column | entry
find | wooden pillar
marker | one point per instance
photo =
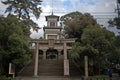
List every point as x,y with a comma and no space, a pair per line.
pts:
36,61
86,67
66,61
44,54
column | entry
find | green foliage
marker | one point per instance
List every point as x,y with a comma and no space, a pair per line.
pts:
98,38
8,26
14,47
115,58
104,77
116,20
77,55
19,50
81,51
28,24
117,41
15,30
6,78
96,43
75,22
23,8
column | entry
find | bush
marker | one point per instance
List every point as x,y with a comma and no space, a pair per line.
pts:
6,78
98,77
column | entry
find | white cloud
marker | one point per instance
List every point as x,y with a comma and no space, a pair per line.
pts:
76,5
106,6
41,21
46,10
62,0
2,8
98,6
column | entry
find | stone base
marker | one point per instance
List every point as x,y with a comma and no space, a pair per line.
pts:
35,76
67,76
66,67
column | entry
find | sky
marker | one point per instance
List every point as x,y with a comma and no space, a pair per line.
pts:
98,8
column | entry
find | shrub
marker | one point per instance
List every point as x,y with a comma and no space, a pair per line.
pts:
6,78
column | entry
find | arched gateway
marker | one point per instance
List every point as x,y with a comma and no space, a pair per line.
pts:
52,46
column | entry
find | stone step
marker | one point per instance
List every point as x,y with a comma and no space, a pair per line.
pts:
51,74
45,68
50,67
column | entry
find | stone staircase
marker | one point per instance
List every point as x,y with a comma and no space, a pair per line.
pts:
50,68
47,67
28,70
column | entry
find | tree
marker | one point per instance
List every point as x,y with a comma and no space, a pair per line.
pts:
117,41
115,58
97,43
100,39
118,8
75,22
116,20
15,30
14,47
77,56
23,8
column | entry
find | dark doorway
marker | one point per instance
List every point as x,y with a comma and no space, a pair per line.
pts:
40,54
52,54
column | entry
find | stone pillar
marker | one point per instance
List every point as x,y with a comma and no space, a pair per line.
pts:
66,61
33,50
59,54
65,51
36,61
44,54
86,67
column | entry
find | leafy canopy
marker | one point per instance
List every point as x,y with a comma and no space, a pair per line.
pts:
14,46
93,41
23,8
75,22
98,38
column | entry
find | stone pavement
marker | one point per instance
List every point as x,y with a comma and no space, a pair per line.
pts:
115,76
47,78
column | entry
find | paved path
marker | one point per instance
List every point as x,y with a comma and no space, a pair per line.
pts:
115,76
46,78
